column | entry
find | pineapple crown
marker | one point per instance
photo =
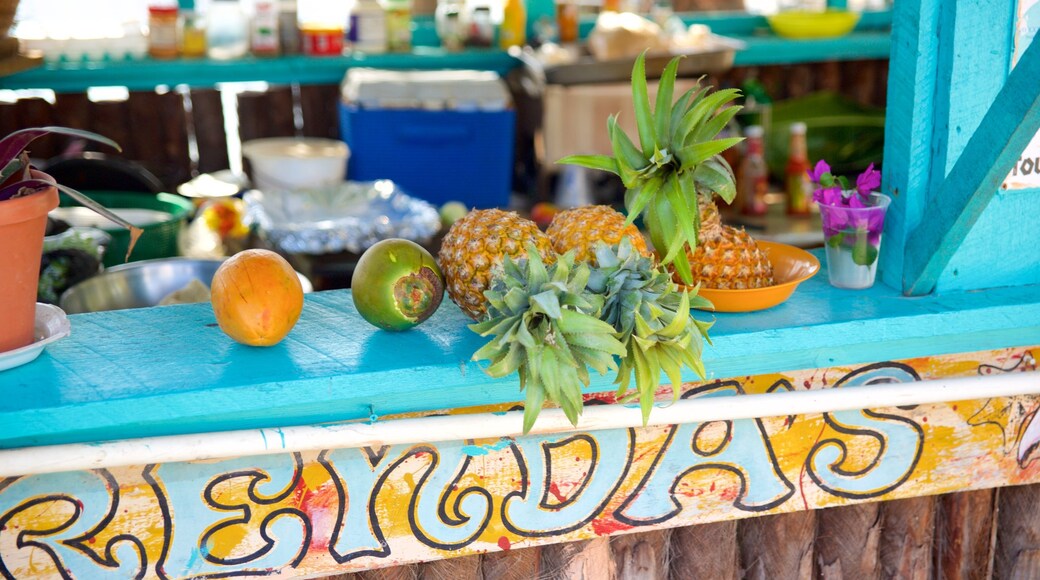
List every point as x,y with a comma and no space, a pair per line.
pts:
651,319
544,325
677,160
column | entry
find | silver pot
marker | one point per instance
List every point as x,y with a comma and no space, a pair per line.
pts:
141,284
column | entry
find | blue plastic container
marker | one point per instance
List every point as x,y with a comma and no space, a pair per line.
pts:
438,156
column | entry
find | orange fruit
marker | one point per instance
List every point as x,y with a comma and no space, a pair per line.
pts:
256,297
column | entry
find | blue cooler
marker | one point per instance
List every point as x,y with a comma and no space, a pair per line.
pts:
441,135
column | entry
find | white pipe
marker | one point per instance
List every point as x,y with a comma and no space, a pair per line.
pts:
174,448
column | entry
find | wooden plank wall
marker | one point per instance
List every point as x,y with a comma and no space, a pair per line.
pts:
971,535
179,134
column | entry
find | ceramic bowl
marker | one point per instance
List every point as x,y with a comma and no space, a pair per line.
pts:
791,267
294,164
805,24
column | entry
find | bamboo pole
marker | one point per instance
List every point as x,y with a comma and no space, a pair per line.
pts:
963,535
521,564
464,568
585,560
907,537
641,556
1017,553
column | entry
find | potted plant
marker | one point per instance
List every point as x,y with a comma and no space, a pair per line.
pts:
26,196
853,219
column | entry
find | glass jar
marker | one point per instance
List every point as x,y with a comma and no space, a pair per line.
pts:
162,31
227,36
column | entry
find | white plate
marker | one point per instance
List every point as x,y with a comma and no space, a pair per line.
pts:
51,325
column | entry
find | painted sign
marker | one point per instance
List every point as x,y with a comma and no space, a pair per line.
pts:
1026,172
342,510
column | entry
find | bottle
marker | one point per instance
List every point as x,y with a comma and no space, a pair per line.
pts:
514,25
162,30
288,27
263,37
227,33
798,186
368,27
191,31
754,179
398,25
450,28
567,20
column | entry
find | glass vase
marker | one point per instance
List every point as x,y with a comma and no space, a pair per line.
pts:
852,238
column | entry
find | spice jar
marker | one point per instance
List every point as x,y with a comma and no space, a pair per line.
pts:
162,31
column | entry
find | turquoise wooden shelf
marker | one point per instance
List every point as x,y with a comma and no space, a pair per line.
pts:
159,371
871,40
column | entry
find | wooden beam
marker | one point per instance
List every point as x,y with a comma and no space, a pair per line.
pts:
955,205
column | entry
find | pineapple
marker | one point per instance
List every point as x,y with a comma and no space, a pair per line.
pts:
730,261
652,320
579,229
474,247
676,165
544,325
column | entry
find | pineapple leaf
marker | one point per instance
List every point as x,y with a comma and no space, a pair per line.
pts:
663,106
713,127
686,216
678,324
506,363
641,199
547,303
683,267
641,102
691,155
705,107
629,160
532,406
600,162
679,109
716,176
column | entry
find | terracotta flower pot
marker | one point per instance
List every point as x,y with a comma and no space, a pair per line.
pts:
23,222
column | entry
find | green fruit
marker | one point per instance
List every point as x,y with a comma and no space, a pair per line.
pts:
396,285
452,212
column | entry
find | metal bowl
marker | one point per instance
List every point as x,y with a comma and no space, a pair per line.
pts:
141,284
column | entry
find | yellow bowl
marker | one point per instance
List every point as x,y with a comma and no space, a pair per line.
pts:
791,267
803,24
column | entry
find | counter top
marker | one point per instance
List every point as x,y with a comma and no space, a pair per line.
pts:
171,370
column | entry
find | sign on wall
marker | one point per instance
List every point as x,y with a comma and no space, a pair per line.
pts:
1026,172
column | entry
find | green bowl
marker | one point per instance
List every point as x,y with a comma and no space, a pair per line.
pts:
161,216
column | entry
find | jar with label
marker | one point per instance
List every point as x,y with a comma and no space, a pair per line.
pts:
192,34
263,38
162,30
450,27
398,25
227,33
368,27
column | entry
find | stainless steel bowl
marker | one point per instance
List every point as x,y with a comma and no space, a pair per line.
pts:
141,284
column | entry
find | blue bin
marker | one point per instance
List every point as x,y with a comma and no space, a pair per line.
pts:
438,156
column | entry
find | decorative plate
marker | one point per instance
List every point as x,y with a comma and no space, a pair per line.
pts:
51,324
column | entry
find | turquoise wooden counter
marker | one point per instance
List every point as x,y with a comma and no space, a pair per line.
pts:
171,370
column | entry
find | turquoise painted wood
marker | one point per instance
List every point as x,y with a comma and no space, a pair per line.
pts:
959,200
170,370
908,128
949,147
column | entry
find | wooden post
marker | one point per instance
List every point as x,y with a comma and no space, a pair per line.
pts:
641,556
207,114
907,532
964,535
762,557
847,542
464,568
1018,533
585,560
518,564
705,551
